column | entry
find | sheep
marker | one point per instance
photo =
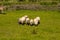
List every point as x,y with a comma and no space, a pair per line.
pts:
31,22
22,19
35,22
38,18
27,21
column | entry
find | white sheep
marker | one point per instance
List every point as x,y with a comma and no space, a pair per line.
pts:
31,22
27,21
38,18
22,19
36,21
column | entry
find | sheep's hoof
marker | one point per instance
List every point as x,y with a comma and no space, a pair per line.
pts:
19,22
27,23
23,23
36,25
38,22
32,25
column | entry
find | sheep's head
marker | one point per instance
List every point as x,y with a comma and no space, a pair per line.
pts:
26,16
38,18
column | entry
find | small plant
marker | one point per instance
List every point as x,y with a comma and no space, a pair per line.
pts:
34,32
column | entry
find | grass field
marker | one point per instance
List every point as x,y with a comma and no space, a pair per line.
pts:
49,29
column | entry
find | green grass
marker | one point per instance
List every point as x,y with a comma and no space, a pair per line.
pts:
49,29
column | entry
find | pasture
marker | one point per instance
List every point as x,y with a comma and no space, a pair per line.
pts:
49,29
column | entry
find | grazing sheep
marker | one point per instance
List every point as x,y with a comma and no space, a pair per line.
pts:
36,21
27,21
22,19
38,18
31,22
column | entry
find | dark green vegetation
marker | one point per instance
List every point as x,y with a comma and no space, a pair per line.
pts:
49,29
42,2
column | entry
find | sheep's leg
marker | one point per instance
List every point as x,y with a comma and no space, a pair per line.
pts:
19,22
38,22
23,23
28,23
31,24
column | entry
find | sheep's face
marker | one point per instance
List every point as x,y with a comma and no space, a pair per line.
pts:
31,21
38,18
26,16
